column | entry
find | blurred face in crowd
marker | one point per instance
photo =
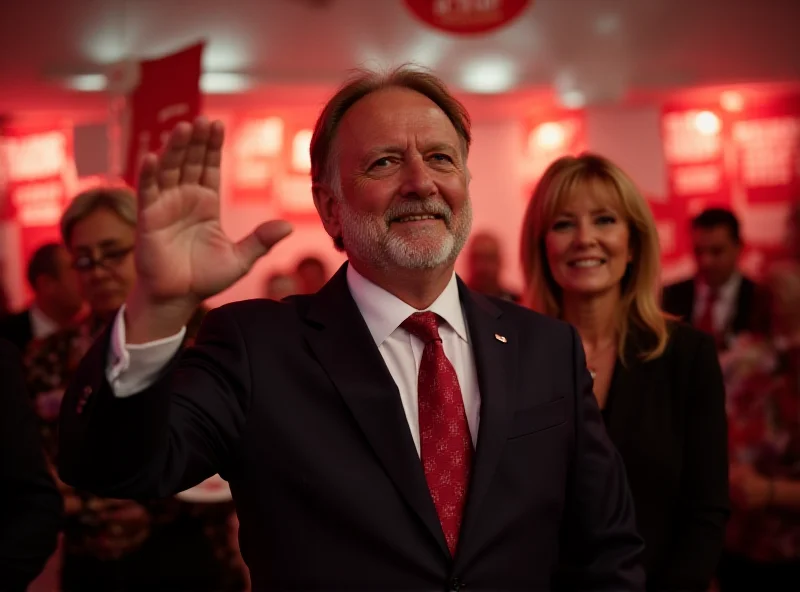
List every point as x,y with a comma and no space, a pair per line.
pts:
310,277
404,200
716,253
588,243
101,245
60,292
280,285
484,262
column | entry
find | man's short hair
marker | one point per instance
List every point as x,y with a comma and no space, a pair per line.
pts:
716,217
44,261
324,165
120,200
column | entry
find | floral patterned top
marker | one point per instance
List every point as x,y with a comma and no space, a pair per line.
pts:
111,529
763,405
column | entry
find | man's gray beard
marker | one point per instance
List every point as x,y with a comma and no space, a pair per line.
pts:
367,238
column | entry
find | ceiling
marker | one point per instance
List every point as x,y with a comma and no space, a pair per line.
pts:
598,50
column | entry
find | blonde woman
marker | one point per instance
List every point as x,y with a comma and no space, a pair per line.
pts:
590,256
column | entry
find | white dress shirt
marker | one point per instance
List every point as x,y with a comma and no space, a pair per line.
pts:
41,325
725,306
132,368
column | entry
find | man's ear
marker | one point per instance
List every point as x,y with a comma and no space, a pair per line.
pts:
328,209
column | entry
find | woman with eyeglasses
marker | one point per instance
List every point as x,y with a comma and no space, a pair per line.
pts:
590,255
120,544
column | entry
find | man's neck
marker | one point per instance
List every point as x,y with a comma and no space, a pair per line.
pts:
418,288
594,317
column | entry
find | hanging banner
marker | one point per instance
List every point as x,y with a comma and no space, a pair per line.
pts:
467,16
744,160
168,92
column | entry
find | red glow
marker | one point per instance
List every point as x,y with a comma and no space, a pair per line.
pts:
260,138
301,158
731,101
707,123
550,135
35,156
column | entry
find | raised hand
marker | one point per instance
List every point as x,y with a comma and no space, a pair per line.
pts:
182,254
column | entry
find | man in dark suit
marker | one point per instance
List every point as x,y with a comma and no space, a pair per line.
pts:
719,299
57,297
393,431
30,504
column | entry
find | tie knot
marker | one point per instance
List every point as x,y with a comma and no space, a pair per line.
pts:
424,325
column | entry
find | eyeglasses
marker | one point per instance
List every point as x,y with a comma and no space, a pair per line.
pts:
107,259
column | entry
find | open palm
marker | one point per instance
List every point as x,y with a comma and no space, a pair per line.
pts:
181,250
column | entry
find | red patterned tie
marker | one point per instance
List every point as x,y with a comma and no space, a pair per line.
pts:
445,443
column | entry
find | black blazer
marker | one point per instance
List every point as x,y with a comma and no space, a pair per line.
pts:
17,329
667,419
30,504
293,404
678,300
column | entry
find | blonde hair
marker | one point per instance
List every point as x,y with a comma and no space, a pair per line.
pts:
640,285
120,200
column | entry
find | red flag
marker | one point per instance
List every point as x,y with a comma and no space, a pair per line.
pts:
168,92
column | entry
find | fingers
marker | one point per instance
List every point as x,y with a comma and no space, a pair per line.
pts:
147,187
171,161
213,157
261,240
195,155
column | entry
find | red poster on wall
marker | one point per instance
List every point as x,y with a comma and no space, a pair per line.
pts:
746,160
467,16
168,93
37,169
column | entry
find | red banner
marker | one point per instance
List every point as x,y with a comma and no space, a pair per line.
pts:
467,16
168,92
746,160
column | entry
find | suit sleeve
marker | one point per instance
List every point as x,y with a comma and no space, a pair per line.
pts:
704,498
601,548
170,436
30,504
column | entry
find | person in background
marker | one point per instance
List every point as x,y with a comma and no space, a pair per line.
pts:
108,543
280,285
485,262
762,548
719,299
30,504
311,275
57,299
590,256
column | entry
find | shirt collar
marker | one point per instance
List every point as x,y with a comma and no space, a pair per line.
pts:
384,312
41,324
727,291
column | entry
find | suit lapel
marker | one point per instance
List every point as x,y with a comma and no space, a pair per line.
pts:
342,342
495,347
629,387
